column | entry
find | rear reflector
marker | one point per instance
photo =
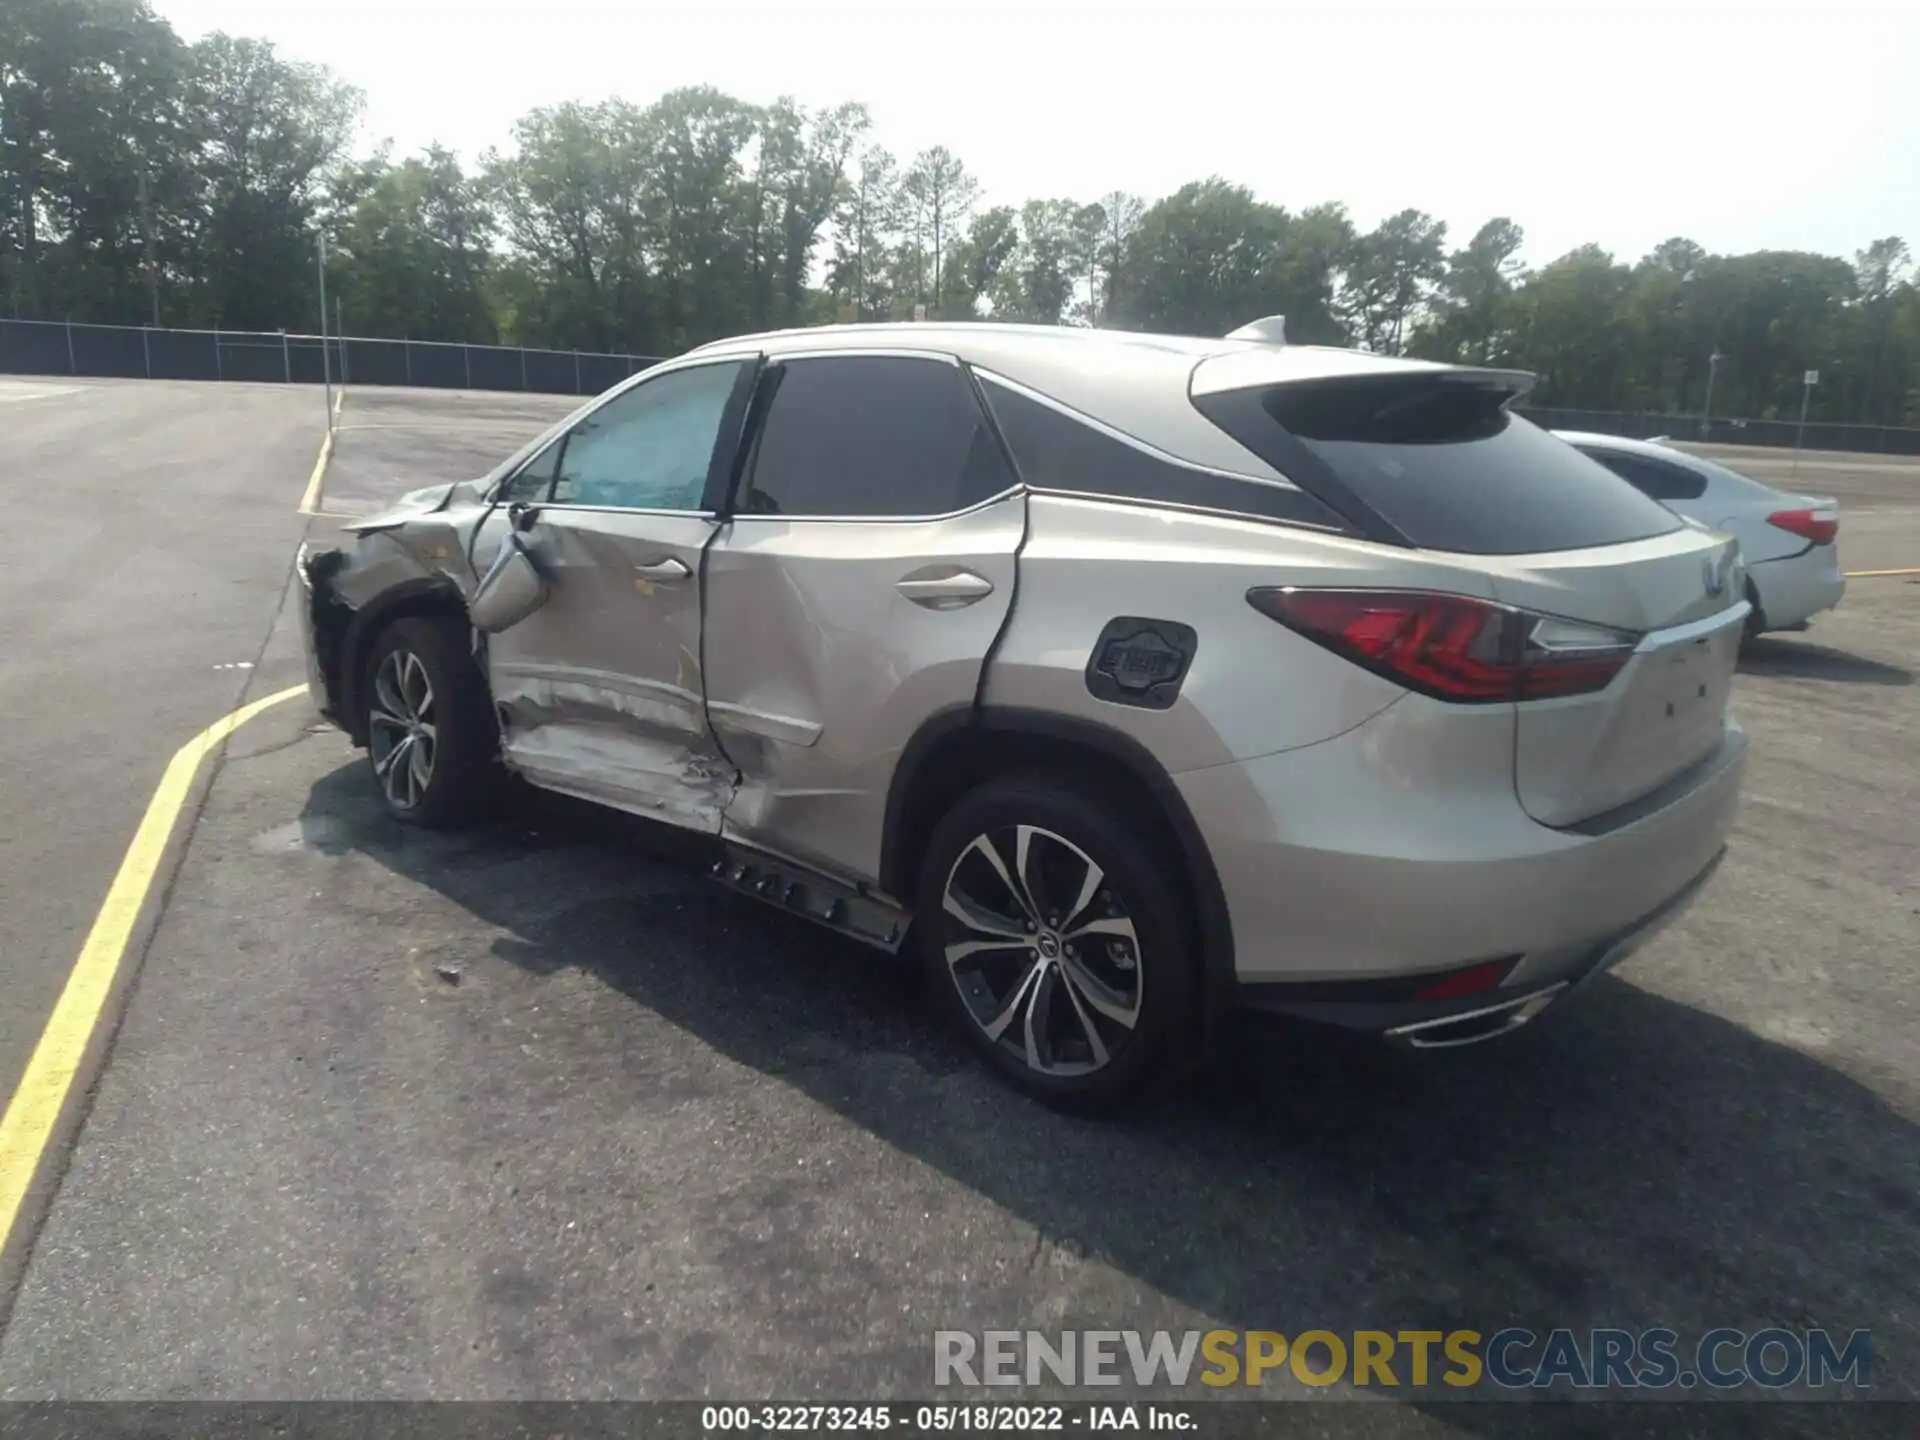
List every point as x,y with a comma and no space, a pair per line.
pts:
1474,980
1453,647
1819,526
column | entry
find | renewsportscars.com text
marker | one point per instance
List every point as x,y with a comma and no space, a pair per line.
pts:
1513,1358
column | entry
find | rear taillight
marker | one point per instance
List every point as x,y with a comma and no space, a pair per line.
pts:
1453,647
1818,525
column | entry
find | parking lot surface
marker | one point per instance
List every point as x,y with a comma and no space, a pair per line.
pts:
534,1112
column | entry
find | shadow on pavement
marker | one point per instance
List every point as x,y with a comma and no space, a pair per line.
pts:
1630,1162
1799,660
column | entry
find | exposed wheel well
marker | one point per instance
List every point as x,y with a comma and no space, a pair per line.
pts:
423,598
963,749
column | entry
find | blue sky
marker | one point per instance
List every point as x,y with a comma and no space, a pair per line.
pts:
1742,126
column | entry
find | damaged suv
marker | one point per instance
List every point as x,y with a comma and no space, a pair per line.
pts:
1115,678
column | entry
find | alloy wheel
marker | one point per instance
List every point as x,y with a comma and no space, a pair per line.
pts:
401,735
1042,950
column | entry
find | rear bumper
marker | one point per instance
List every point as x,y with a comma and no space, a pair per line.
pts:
320,628
1795,588
1444,1024
1384,854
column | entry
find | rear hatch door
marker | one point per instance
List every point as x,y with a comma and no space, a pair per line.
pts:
1582,755
1430,457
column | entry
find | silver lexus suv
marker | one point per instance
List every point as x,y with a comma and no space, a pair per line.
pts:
1115,679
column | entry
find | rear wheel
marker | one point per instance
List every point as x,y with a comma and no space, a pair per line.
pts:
1756,618
431,737
1051,934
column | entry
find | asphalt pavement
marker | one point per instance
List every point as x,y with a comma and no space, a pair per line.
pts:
534,1112
146,546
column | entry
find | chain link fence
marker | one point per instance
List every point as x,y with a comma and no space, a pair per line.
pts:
1820,435
52,347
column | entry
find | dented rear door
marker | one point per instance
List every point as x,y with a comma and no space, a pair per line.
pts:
855,592
600,691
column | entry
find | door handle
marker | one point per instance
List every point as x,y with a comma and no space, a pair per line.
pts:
665,571
948,591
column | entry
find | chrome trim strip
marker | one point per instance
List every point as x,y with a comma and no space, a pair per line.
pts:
1734,614
784,728
1518,1012
1011,492
1143,502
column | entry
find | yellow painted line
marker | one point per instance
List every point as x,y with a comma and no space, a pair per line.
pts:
1875,574
310,501
35,1108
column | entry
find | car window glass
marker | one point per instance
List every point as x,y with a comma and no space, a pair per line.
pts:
1057,452
1654,478
534,479
1446,464
650,448
873,435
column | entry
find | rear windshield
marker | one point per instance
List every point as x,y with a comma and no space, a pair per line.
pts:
1445,463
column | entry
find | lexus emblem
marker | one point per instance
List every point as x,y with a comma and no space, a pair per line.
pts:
1714,572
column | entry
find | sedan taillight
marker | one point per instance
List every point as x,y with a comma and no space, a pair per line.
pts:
1818,525
1453,647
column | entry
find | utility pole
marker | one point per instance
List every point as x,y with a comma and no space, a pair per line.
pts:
326,359
1706,411
146,229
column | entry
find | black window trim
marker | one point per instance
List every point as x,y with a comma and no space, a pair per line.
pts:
719,465
768,387
1284,451
1278,485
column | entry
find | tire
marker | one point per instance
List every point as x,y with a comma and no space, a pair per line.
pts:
1105,1021
432,742
1756,624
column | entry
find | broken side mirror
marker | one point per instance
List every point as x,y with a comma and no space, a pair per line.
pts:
511,590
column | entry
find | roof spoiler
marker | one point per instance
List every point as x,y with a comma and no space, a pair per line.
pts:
1268,330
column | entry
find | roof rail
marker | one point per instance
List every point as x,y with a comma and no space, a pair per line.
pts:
1268,330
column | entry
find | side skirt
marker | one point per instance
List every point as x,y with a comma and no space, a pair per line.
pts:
820,898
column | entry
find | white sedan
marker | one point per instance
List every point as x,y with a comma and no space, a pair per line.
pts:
1786,540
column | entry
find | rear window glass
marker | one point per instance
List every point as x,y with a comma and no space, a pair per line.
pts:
1449,467
1654,478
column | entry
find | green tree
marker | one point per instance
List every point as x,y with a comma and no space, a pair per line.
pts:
937,194
265,132
1472,317
1120,215
1393,272
1199,260
864,225
414,251
94,170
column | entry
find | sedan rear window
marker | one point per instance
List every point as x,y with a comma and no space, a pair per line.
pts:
1441,460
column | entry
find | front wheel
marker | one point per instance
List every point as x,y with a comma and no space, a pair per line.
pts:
431,736
1050,930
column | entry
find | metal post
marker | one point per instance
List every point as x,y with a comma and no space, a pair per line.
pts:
340,333
576,372
326,359
286,358
1706,411
406,354
523,367
1807,382
219,366
466,360
146,350
72,369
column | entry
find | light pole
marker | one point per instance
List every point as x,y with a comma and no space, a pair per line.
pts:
1706,410
326,360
